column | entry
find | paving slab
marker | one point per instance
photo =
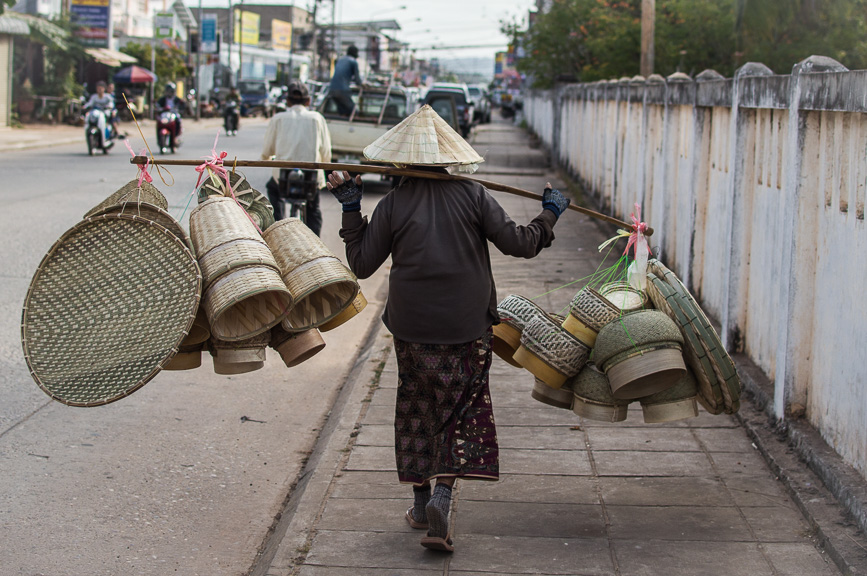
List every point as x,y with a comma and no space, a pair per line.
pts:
523,555
541,437
632,463
531,519
777,524
372,485
381,550
701,523
364,514
799,560
758,491
385,396
644,439
335,571
536,462
533,488
379,458
664,491
542,416
724,440
732,464
375,435
642,557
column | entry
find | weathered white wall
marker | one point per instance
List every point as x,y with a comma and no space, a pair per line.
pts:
756,187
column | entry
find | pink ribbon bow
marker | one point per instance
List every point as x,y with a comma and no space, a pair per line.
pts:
143,174
214,163
638,230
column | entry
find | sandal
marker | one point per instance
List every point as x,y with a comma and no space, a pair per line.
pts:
437,543
413,522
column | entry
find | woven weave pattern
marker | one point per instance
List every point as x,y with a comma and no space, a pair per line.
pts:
254,202
107,307
248,350
517,311
147,212
320,284
592,309
634,332
130,192
554,346
246,302
591,384
234,254
624,296
217,221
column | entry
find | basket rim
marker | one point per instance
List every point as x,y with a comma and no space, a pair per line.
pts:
76,229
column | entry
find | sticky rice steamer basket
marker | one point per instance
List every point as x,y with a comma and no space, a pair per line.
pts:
593,399
623,296
588,313
641,353
296,347
239,357
552,354
321,285
556,397
244,295
515,313
350,312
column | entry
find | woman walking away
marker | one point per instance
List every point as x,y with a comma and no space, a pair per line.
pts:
441,305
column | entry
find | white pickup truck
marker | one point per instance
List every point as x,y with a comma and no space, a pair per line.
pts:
372,118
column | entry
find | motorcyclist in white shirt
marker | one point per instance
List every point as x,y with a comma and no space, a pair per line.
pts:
102,101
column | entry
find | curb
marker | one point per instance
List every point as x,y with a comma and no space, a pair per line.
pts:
828,492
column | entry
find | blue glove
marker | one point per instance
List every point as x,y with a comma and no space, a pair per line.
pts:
554,201
347,190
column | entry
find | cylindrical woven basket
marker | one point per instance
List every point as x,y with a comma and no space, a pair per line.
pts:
238,357
321,285
556,397
641,354
515,313
130,192
588,313
107,308
187,358
296,347
593,399
676,403
624,296
251,200
246,302
350,312
549,352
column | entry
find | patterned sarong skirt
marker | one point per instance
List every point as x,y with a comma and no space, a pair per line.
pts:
444,421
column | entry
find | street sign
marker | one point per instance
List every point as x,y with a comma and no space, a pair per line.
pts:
208,38
164,25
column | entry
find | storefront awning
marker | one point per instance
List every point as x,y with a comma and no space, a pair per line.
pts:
13,26
110,57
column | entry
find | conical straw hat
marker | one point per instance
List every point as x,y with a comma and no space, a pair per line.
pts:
422,139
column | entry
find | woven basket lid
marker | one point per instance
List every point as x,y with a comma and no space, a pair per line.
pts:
254,202
148,212
634,331
422,139
107,308
131,192
697,323
623,296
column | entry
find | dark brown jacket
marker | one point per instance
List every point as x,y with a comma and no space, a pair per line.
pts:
441,289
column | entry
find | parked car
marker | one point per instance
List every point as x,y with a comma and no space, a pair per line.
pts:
481,102
256,98
463,102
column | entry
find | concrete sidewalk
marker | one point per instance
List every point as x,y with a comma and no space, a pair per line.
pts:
575,496
37,136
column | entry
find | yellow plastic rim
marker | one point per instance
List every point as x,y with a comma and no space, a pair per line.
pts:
539,368
580,330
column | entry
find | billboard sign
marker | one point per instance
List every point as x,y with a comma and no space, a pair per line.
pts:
164,25
208,37
281,35
92,19
246,28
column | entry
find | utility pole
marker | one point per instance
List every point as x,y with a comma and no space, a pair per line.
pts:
241,42
648,17
199,66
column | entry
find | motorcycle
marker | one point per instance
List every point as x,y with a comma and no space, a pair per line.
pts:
168,130
98,131
231,118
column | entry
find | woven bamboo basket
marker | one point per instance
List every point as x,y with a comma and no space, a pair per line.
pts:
296,347
623,296
350,312
641,354
147,212
723,367
515,313
246,302
187,358
321,285
676,403
593,399
557,397
238,357
251,200
130,192
550,353
589,311
107,308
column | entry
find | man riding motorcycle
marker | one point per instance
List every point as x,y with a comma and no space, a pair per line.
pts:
105,102
169,127
232,112
170,101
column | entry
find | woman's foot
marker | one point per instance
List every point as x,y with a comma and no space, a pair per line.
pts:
437,512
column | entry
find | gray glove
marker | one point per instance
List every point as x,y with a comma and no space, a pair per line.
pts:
347,190
554,201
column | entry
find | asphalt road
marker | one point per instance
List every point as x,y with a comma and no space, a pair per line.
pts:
170,479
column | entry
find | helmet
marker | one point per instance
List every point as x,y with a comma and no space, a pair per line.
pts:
170,87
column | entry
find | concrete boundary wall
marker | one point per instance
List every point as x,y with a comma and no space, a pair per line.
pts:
756,187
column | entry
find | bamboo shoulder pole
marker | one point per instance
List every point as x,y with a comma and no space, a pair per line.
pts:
388,171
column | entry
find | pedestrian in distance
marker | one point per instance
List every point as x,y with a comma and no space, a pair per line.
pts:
345,72
441,305
300,135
